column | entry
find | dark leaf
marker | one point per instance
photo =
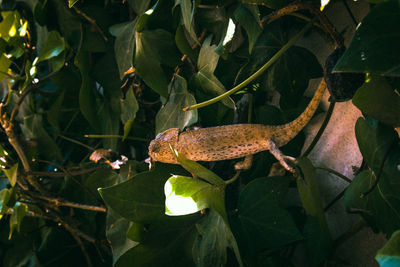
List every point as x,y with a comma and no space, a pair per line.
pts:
12,174
248,17
129,107
139,6
374,47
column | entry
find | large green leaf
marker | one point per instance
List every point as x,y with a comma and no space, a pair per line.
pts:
214,237
389,255
248,17
20,210
172,114
374,47
152,49
124,45
264,222
186,195
164,244
141,199
376,98
378,146
208,58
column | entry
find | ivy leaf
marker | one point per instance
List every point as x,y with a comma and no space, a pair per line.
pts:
374,47
151,47
389,255
186,195
248,17
20,210
263,220
12,174
124,45
187,11
376,98
309,192
141,198
117,227
129,107
172,115
4,65
53,46
214,237
208,58
164,244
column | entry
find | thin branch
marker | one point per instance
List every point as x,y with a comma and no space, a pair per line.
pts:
321,129
233,179
76,142
62,174
116,136
78,240
63,203
334,172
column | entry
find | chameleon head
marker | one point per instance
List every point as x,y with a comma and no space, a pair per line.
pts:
160,147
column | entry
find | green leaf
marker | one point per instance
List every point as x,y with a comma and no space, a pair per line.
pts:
208,58
101,178
389,255
248,17
53,46
183,45
374,47
12,174
186,195
265,223
214,237
53,114
376,98
117,227
172,115
378,145
164,244
187,14
141,199
309,192
129,107
318,242
5,196
4,65
124,45
150,46
139,6
20,210
71,3
87,97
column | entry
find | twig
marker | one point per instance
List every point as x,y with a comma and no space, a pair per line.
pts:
334,172
321,129
76,142
78,240
63,203
62,174
233,179
116,136
91,21
350,13
272,60
333,201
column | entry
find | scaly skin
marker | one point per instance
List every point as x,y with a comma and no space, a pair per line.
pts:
230,141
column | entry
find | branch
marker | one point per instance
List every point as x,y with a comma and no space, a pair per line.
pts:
63,203
91,21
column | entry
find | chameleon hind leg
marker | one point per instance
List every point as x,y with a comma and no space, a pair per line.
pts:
284,160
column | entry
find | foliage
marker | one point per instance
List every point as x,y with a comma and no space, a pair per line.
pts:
86,79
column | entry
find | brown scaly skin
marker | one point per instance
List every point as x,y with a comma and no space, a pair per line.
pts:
232,141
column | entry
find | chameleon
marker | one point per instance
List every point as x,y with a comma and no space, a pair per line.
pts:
233,141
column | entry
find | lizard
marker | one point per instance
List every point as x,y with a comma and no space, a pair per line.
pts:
233,141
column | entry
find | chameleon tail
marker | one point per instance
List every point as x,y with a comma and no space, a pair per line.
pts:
289,130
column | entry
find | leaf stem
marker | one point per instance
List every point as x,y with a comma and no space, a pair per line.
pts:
233,179
116,136
257,73
338,174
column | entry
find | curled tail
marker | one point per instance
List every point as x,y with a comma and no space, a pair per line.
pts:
289,130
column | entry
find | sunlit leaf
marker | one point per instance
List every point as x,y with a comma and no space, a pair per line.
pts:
374,47
4,65
20,210
129,107
172,114
71,3
12,174
139,6
389,255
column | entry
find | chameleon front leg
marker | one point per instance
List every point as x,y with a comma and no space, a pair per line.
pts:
283,159
245,164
